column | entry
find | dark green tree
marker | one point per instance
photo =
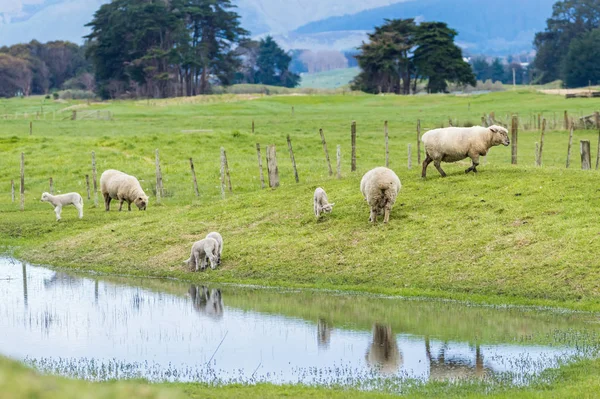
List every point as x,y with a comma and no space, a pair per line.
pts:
272,65
481,69
581,65
497,72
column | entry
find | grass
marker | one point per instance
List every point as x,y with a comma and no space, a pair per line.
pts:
329,79
509,235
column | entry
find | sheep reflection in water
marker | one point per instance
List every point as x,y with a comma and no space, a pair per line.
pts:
209,303
383,354
323,333
456,368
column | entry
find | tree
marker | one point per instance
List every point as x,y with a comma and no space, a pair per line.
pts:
15,76
272,65
497,73
481,69
581,64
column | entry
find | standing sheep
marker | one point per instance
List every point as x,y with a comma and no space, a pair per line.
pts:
380,187
122,187
219,239
453,144
321,204
58,201
201,250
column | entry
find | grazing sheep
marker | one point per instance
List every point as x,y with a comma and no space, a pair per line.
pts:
58,201
453,144
320,202
380,187
122,187
219,239
202,250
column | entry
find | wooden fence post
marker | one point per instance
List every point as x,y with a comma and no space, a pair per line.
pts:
51,186
30,128
419,140
324,143
570,144
74,116
339,161
159,189
87,185
409,156
539,121
539,158
94,179
252,125
566,120
260,166
514,138
227,175
272,170
12,190
194,178
387,148
537,153
222,172
293,159
586,163
22,189
353,137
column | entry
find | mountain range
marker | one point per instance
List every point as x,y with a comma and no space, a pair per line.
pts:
484,26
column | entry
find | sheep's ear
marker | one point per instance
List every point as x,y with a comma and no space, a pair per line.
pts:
495,129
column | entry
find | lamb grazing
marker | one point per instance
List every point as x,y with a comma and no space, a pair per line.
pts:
380,187
321,204
122,187
202,250
219,239
58,201
452,144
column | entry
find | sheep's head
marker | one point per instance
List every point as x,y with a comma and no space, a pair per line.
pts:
499,135
45,197
327,208
141,202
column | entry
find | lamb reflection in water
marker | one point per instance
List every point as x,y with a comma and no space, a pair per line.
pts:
442,368
323,333
383,354
209,303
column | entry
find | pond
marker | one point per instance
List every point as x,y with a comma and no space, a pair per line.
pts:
102,328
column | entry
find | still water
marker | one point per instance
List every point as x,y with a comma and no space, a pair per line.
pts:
103,328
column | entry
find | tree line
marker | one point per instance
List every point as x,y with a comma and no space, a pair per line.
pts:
497,71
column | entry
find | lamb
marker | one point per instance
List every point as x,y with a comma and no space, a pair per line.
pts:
321,204
206,248
58,201
380,187
120,186
453,144
219,239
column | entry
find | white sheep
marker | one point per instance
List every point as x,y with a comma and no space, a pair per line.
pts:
321,204
58,201
202,250
380,187
219,239
452,144
122,187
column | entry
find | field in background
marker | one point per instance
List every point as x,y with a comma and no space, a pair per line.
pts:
330,79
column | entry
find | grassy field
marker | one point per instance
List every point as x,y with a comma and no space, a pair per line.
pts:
510,234
329,79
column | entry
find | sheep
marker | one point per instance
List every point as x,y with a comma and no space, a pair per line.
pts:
219,239
58,201
380,187
206,248
120,186
321,204
453,144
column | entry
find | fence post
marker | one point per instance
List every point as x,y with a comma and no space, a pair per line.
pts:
222,172
87,185
260,166
515,132
30,128
539,158
22,189
12,190
252,125
537,153
419,140
353,137
566,120
74,116
387,148
51,186
289,141
272,170
94,179
409,156
326,152
339,161
159,190
586,163
227,175
570,144
194,177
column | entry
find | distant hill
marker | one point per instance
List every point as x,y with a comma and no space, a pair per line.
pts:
484,26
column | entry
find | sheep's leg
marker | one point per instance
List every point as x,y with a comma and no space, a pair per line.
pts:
212,259
79,210
473,167
373,217
426,163
57,211
121,204
129,206
197,260
107,200
316,209
386,217
438,166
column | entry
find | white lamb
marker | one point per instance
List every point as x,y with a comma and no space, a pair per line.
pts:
202,250
219,239
452,144
122,187
380,187
321,204
58,201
